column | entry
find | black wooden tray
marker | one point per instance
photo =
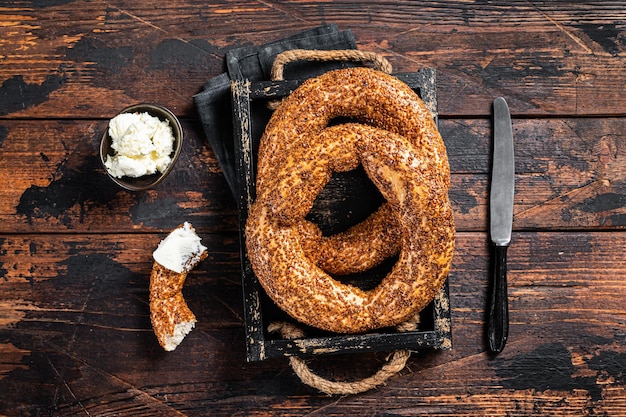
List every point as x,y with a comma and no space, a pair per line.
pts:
350,197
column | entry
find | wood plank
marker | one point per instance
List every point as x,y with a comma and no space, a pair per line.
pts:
75,252
61,184
563,58
77,337
571,174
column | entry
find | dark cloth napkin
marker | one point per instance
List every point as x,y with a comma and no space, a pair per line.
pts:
254,63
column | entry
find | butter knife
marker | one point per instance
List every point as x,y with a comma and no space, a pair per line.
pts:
500,223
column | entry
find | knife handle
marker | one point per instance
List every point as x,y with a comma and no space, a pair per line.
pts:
498,320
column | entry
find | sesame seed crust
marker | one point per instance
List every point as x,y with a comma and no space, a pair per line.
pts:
396,141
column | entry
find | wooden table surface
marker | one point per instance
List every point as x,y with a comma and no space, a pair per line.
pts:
75,250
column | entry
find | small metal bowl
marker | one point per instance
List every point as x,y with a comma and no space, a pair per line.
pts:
147,181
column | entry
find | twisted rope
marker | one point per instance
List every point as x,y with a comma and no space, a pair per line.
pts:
380,63
393,366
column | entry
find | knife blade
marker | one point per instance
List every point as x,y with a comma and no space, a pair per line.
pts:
501,195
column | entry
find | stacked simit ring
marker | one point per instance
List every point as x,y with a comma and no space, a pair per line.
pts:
397,143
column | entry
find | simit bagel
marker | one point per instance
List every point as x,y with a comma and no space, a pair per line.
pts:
402,152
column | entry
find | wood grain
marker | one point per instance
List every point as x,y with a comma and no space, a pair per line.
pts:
570,174
561,58
75,251
81,316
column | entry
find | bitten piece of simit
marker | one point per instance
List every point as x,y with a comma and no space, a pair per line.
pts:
175,256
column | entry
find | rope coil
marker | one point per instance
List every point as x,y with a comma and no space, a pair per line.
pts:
394,365
380,63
